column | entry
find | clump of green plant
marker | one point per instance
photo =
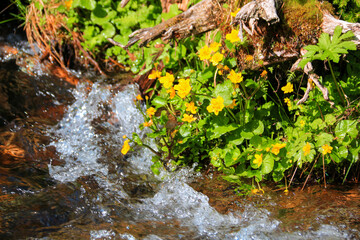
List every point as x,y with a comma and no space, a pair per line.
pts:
211,112
349,10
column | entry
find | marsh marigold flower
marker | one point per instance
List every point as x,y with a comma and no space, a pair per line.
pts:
307,149
216,105
150,112
183,88
68,4
235,77
233,36
288,88
249,58
263,74
233,14
233,104
214,47
288,102
154,74
258,160
216,58
276,148
126,147
138,97
326,149
205,53
188,118
302,123
171,92
148,124
167,80
190,107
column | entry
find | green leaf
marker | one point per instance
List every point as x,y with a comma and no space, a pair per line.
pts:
323,138
155,168
185,130
159,102
108,30
137,139
218,131
346,127
267,164
87,4
232,157
225,90
252,128
330,119
235,137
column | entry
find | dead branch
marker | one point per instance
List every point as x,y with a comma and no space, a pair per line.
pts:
202,17
330,22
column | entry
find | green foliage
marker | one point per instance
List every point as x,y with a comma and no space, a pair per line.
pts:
329,48
102,19
348,9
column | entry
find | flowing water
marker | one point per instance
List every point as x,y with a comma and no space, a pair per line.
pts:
62,176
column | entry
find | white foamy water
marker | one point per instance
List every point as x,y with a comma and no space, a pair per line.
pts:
77,141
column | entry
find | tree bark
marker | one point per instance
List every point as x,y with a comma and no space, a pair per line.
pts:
204,16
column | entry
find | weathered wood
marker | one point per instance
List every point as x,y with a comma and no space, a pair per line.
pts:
202,17
255,10
330,22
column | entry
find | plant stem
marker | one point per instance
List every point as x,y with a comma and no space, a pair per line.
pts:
342,95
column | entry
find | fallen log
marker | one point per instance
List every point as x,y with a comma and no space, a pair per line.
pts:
204,16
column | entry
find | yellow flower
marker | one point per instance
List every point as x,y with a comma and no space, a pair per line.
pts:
167,80
138,97
226,68
263,74
214,46
258,160
326,149
233,36
235,77
288,102
68,4
302,123
288,88
148,124
183,88
205,53
267,149
307,149
154,74
190,107
173,133
126,147
124,136
233,104
216,105
221,72
188,118
216,58
171,91
249,58
220,66
276,148
151,112
233,14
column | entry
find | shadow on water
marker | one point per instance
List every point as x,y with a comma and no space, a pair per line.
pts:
62,175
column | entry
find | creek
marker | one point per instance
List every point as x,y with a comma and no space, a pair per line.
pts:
62,175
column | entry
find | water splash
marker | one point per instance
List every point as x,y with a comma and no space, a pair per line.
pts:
77,141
